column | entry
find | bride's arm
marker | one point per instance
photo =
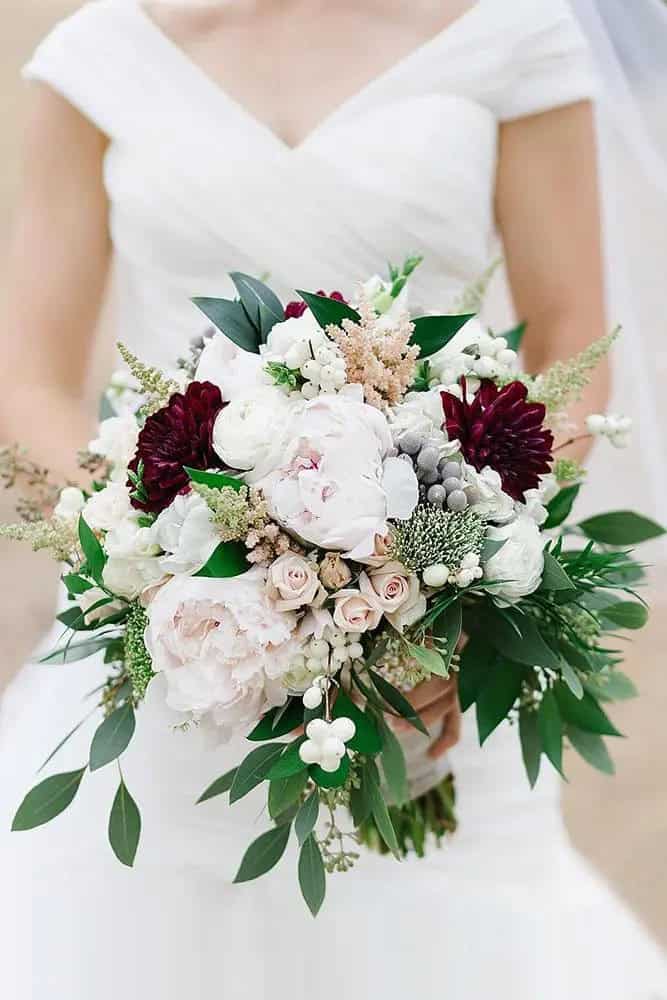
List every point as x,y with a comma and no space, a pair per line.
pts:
548,213
53,285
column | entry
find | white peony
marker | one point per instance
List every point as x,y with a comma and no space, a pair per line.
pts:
132,564
535,501
234,371
519,564
117,442
222,647
334,483
252,428
186,534
290,339
107,508
70,504
421,413
486,495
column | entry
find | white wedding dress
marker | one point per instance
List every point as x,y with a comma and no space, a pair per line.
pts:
198,187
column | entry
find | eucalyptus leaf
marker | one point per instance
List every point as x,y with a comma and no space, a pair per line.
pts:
381,815
254,769
328,311
261,304
626,614
572,679
306,818
428,659
592,748
283,792
531,743
264,853
229,559
219,786
112,737
584,712
312,876
289,762
398,702
497,695
551,730
124,826
621,527
47,800
432,333
73,651
394,767
231,318
92,550
561,506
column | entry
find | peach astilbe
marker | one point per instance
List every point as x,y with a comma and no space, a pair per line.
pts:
378,358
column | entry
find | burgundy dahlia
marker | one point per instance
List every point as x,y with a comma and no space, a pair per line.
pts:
297,308
179,434
499,428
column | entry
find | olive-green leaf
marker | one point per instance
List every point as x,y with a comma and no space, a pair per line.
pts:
312,876
531,744
432,333
124,826
306,818
112,737
264,853
381,814
592,748
289,762
626,614
584,713
47,800
254,769
229,559
621,527
614,686
394,767
230,317
219,786
283,792
561,506
73,651
92,550
554,576
551,730
273,724
498,694
398,701
328,311
261,304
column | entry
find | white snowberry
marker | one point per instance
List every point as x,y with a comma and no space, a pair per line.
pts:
436,576
325,742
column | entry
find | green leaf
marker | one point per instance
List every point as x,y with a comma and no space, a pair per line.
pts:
73,651
360,801
264,853
551,730
592,748
449,626
497,696
514,336
531,743
261,304
394,767
112,737
216,480
65,739
432,333
328,311
398,702
381,815
572,679
254,769
271,725
105,410
477,660
614,686
230,317
47,800
219,786
626,614
561,506
124,826
331,779
306,818
518,637
429,660
283,792
289,762
554,576
229,559
621,527
92,550
367,739
584,713
76,584
312,876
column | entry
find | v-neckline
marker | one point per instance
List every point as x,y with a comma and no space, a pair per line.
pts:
265,128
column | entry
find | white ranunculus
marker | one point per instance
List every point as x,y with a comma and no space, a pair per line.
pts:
519,564
535,501
117,442
251,428
70,504
420,413
293,333
132,564
186,534
334,483
107,508
234,371
222,646
486,495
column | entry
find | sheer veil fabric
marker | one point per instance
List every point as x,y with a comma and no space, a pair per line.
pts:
198,187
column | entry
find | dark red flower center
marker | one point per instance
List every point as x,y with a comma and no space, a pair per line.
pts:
298,307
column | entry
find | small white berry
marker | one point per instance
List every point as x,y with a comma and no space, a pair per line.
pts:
317,730
318,648
336,638
309,752
330,764
343,728
311,370
596,423
486,367
507,358
499,344
314,664
355,650
333,746
309,390
324,355
436,575
313,697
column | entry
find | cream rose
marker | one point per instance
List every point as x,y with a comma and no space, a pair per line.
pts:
355,610
292,582
518,566
389,585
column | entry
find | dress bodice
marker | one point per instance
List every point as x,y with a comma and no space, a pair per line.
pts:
198,186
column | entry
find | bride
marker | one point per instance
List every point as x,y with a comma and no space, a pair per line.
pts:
306,140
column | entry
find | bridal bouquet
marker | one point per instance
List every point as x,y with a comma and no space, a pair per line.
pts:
324,505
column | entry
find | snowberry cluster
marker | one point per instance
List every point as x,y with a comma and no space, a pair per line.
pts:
322,657
439,575
325,743
494,359
439,478
319,362
615,428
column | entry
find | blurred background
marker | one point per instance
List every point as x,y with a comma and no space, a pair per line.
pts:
620,824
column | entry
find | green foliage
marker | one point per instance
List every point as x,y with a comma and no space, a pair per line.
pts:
531,743
514,337
254,769
136,658
328,312
592,748
626,614
497,695
248,320
367,739
73,651
124,826
306,817
283,792
331,779
264,853
228,560
432,333
92,551
47,800
397,701
112,737
380,812
289,762
312,876
431,815
215,480
261,305
219,786
550,729
584,713
279,721
621,527
561,506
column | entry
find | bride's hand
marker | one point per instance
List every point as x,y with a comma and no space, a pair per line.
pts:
437,701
